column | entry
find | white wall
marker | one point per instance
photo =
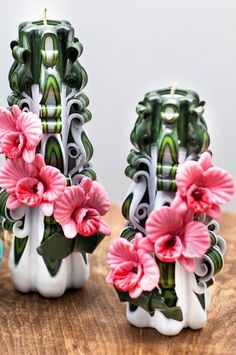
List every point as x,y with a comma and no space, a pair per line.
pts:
132,47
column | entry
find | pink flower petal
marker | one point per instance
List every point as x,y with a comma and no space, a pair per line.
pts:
205,161
87,221
188,263
151,272
69,229
72,198
136,291
120,251
28,155
39,162
162,222
30,125
109,277
14,170
16,111
196,240
47,208
214,212
188,174
104,227
179,204
97,198
86,184
54,182
137,240
220,183
146,244
12,144
13,203
188,217
7,122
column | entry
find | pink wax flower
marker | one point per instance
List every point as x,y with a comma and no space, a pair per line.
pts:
80,208
173,236
20,133
132,268
34,184
202,188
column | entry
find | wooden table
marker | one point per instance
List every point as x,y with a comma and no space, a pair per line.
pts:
92,320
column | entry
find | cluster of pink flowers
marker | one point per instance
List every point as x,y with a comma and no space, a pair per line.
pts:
172,234
30,182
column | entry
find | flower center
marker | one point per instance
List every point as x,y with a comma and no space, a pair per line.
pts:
34,188
135,270
29,191
87,220
197,195
171,242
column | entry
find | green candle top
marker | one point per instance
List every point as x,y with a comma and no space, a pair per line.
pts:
50,44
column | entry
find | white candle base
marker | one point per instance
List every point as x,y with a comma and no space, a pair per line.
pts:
31,273
194,316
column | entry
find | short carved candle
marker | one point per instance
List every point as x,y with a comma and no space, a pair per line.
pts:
50,199
165,259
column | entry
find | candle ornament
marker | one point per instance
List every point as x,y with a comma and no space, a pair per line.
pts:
169,251
50,198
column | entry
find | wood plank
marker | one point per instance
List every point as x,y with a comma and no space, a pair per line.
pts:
92,320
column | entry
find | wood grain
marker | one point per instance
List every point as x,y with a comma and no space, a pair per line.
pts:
92,321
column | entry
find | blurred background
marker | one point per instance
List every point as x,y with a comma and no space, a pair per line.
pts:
132,47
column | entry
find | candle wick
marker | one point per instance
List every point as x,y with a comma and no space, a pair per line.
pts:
173,89
45,17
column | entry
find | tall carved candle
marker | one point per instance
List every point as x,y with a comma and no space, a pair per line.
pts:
170,249
49,197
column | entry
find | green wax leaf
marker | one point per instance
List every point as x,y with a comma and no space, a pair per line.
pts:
89,172
167,275
158,303
87,244
19,247
8,225
56,247
53,266
201,299
87,145
126,206
85,258
3,200
142,301
54,154
128,233
172,313
151,301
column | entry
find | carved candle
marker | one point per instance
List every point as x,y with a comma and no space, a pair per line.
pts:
48,251
170,249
